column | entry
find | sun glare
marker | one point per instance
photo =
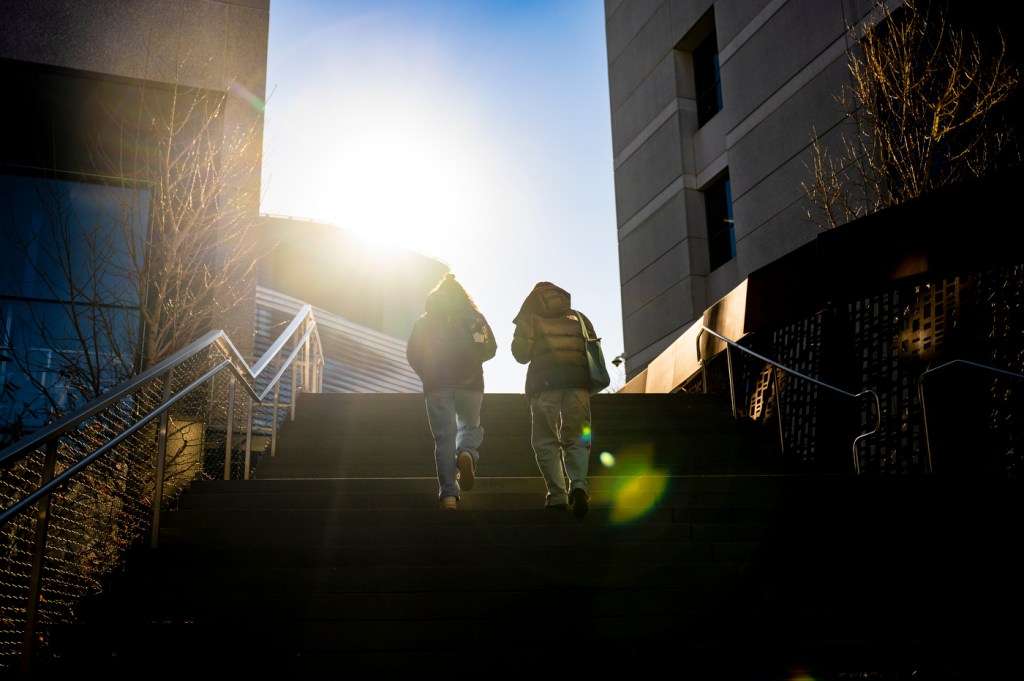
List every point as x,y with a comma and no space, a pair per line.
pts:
403,170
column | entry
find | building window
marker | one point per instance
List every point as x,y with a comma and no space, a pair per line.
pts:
68,299
718,209
707,79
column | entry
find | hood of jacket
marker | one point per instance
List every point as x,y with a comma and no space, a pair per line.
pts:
545,300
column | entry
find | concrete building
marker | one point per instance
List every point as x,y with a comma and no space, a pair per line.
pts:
713,107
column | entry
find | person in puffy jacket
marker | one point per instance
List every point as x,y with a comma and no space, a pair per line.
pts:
549,339
447,347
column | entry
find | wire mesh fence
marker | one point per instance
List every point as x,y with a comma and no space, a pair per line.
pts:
885,341
58,548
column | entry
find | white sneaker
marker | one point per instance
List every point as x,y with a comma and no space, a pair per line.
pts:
467,471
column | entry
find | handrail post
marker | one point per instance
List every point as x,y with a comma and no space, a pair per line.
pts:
778,409
318,373
161,456
273,421
700,359
229,428
305,357
924,421
295,377
248,439
38,558
732,383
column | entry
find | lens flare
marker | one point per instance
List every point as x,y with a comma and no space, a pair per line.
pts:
637,497
241,91
638,486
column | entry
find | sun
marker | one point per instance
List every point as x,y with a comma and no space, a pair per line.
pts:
412,178
405,168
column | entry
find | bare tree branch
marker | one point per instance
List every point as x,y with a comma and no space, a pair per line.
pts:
923,109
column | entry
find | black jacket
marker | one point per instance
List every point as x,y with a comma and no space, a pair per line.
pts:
548,338
449,344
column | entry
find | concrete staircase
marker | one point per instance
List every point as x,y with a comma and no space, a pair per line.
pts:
705,555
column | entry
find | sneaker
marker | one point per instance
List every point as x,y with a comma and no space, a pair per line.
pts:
448,504
555,503
467,471
578,499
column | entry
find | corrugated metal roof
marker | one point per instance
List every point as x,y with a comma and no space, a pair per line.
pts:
356,358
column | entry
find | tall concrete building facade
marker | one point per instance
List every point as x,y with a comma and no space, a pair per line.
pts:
713,106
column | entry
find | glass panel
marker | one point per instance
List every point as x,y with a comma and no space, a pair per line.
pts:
707,79
69,293
721,237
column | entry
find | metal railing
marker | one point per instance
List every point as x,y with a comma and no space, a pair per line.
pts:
920,393
779,367
80,492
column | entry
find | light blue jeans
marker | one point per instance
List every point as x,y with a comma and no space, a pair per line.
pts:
561,437
454,418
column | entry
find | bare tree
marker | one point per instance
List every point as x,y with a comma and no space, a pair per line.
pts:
128,263
202,249
924,108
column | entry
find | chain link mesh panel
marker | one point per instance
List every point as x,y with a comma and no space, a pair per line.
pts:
107,506
884,342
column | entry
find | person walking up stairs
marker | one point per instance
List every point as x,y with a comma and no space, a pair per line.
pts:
448,345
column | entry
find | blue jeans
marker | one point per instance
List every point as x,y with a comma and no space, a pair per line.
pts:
454,418
561,440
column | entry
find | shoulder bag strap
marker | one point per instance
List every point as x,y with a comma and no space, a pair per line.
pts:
583,327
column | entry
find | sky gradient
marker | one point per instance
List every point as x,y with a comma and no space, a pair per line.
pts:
475,131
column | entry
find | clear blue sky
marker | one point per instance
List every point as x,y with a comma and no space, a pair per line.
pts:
476,131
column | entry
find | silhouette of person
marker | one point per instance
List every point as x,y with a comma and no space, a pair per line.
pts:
447,347
549,339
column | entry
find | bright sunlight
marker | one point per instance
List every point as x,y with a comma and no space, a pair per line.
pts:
395,166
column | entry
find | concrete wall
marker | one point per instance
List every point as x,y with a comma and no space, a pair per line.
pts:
201,43
781,63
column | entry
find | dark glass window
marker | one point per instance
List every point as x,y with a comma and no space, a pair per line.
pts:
68,291
707,79
718,209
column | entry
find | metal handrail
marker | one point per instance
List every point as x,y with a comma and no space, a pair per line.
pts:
732,388
32,442
36,440
920,394
306,348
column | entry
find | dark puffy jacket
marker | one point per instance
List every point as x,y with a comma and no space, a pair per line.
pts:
449,344
548,338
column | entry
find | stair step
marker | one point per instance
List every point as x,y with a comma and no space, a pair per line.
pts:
704,551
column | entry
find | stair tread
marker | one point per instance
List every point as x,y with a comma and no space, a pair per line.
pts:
702,548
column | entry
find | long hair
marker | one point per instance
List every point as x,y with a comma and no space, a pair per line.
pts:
449,287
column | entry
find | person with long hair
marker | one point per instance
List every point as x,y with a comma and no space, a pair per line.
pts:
447,347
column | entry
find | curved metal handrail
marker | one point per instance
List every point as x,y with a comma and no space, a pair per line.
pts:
57,480
32,442
732,388
301,332
920,394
